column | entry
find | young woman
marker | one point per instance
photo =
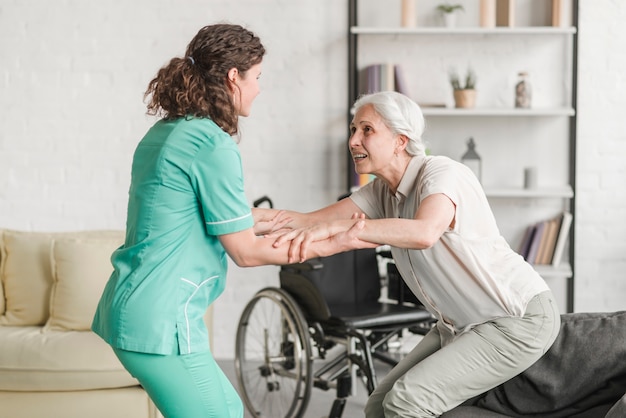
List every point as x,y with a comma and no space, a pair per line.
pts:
496,315
187,211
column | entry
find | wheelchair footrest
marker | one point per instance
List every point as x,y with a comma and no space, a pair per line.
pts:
344,385
337,409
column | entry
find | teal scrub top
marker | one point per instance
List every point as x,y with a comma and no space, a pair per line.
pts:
186,190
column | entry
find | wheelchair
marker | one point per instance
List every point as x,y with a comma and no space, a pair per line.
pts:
326,311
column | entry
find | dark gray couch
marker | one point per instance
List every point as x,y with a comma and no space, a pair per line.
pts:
583,375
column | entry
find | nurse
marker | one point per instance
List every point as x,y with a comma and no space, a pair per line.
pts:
186,212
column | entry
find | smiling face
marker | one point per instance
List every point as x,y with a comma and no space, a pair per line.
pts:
246,88
374,148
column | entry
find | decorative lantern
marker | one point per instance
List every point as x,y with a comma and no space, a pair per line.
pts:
472,159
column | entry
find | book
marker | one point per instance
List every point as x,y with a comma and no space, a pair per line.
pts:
365,178
541,249
373,78
378,77
559,247
408,14
526,240
382,77
557,224
561,13
505,12
536,241
400,82
547,248
387,77
487,13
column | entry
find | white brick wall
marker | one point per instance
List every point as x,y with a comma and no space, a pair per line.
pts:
601,163
72,77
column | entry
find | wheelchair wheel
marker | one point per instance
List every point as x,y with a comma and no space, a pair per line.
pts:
273,360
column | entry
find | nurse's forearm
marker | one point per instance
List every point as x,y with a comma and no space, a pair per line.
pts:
247,250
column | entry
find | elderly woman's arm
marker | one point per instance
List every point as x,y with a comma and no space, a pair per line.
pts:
267,220
433,217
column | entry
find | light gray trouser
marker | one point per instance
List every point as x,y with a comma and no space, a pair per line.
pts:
431,380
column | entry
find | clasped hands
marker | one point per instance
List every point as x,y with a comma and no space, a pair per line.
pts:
335,236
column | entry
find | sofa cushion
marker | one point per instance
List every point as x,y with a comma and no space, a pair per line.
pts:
583,374
26,274
619,409
80,270
130,402
26,277
33,360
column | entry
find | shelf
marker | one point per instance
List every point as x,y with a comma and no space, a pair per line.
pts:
497,111
564,192
549,271
529,30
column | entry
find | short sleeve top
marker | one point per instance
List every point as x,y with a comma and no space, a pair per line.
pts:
186,189
470,275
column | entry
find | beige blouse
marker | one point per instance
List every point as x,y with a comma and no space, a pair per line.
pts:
471,275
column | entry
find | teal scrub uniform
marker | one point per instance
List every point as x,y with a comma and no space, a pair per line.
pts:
186,190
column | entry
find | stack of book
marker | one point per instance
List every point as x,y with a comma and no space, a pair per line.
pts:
544,241
360,180
383,77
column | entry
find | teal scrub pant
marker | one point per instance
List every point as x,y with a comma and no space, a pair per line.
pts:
433,379
184,386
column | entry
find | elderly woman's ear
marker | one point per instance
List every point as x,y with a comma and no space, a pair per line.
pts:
402,143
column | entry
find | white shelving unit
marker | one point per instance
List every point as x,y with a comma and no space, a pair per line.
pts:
564,192
495,111
534,30
508,139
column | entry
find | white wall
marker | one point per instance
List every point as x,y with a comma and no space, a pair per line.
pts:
601,155
72,76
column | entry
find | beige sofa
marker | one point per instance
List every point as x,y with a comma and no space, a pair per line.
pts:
51,364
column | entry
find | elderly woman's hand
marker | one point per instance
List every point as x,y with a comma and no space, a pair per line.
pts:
300,238
267,225
343,234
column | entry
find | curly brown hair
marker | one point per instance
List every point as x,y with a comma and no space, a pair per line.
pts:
197,85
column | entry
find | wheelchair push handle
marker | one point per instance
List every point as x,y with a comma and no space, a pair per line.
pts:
261,200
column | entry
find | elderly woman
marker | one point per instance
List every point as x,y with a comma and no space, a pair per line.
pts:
496,315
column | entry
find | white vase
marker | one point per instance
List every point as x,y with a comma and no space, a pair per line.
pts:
449,20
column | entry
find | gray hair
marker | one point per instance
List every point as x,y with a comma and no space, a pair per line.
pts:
400,114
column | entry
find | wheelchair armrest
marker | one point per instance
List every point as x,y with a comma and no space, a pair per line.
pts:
312,264
385,254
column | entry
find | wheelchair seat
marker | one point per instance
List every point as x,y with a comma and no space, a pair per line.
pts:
344,290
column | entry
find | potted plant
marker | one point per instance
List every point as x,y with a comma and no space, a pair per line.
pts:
464,89
448,11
